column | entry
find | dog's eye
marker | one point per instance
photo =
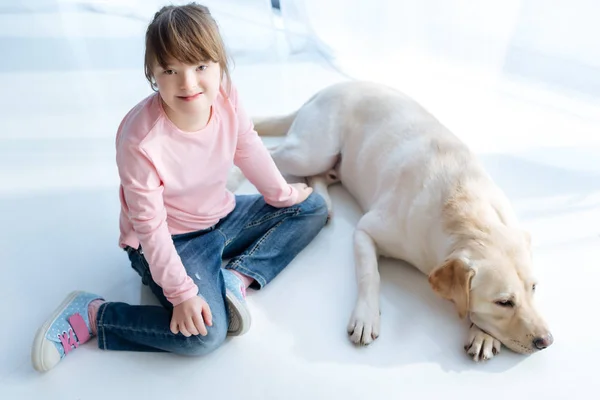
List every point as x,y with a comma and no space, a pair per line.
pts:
533,287
505,303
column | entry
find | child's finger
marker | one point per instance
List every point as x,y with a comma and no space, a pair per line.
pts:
191,326
183,330
207,315
199,325
174,327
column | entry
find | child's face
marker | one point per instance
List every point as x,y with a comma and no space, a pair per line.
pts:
188,90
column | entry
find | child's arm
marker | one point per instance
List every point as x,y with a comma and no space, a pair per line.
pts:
142,190
253,158
256,163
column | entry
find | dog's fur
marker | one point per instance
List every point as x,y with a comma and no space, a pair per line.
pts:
427,200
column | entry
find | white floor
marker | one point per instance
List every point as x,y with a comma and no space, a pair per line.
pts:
58,232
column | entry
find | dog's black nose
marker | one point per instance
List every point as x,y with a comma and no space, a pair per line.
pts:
543,341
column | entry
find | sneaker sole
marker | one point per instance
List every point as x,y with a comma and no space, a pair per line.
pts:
240,320
40,336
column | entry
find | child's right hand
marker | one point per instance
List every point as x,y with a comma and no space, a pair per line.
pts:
190,316
303,191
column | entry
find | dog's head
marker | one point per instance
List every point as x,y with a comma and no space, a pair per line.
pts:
493,284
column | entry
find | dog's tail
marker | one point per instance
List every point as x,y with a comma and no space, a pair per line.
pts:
274,126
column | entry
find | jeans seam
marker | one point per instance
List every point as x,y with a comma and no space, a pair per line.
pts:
139,331
150,333
237,263
261,240
268,217
271,216
224,237
100,324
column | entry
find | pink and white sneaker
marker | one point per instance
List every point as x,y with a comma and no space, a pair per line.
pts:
64,331
235,299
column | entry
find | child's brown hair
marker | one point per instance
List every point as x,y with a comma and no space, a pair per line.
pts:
186,33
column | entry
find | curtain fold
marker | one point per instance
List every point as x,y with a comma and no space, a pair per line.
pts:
550,44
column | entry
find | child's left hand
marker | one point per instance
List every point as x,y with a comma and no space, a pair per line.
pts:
303,191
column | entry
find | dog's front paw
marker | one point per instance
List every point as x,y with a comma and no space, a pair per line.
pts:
481,346
363,327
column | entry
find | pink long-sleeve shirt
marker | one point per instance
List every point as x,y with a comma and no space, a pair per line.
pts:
174,182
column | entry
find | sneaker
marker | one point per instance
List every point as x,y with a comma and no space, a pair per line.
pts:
235,295
64,331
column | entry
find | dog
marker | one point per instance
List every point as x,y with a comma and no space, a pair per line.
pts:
427,200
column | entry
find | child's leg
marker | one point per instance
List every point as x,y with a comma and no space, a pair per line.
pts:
237,314
122,326
262,240
147,328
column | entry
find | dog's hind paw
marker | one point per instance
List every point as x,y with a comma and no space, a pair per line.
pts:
363,327
481,346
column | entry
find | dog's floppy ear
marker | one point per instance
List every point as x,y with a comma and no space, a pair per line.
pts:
452,281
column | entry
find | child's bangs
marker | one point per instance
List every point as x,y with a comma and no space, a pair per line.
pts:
190,42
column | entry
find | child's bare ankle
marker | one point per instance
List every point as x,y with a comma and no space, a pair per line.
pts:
246,280
93,313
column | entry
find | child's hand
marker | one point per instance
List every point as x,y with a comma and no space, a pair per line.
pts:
303,191
190,316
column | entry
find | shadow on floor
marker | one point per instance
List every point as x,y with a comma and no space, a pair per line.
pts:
417,326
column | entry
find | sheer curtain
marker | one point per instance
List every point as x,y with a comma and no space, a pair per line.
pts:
247,25
550,44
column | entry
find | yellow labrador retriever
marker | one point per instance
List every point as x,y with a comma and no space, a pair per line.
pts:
426,200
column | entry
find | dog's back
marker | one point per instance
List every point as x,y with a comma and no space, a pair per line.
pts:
396,157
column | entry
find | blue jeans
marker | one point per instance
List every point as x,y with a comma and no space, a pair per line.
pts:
259,240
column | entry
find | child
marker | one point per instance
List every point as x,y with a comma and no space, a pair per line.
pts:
178,221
